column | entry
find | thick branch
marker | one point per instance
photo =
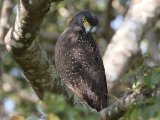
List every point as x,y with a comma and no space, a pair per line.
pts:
116,110
124,47
20,37
29,54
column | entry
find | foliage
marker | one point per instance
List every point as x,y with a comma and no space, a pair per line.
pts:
147,79
15,88
148,110
55,105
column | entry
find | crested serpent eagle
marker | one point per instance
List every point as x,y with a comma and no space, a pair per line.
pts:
79,63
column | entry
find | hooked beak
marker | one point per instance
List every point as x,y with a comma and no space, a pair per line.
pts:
88,29
93,29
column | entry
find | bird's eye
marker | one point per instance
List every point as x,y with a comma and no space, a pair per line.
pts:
84,19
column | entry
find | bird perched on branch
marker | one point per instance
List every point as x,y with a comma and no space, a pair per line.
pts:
79,63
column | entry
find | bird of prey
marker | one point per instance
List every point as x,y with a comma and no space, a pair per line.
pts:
79,63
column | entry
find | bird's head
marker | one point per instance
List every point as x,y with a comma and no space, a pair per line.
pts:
85,19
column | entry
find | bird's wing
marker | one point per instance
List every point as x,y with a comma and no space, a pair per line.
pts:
93,74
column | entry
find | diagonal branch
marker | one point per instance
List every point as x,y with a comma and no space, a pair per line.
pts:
28,53
124,46
19,39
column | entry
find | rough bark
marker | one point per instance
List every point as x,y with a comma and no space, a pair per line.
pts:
124,46
21,44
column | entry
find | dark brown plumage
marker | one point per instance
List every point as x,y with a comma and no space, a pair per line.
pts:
79,63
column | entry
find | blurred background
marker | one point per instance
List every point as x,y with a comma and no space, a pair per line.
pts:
18,100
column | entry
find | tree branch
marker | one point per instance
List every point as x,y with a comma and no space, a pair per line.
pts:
117,109
42,75
124,47
28,53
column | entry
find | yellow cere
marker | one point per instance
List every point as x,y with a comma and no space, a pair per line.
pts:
86,25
